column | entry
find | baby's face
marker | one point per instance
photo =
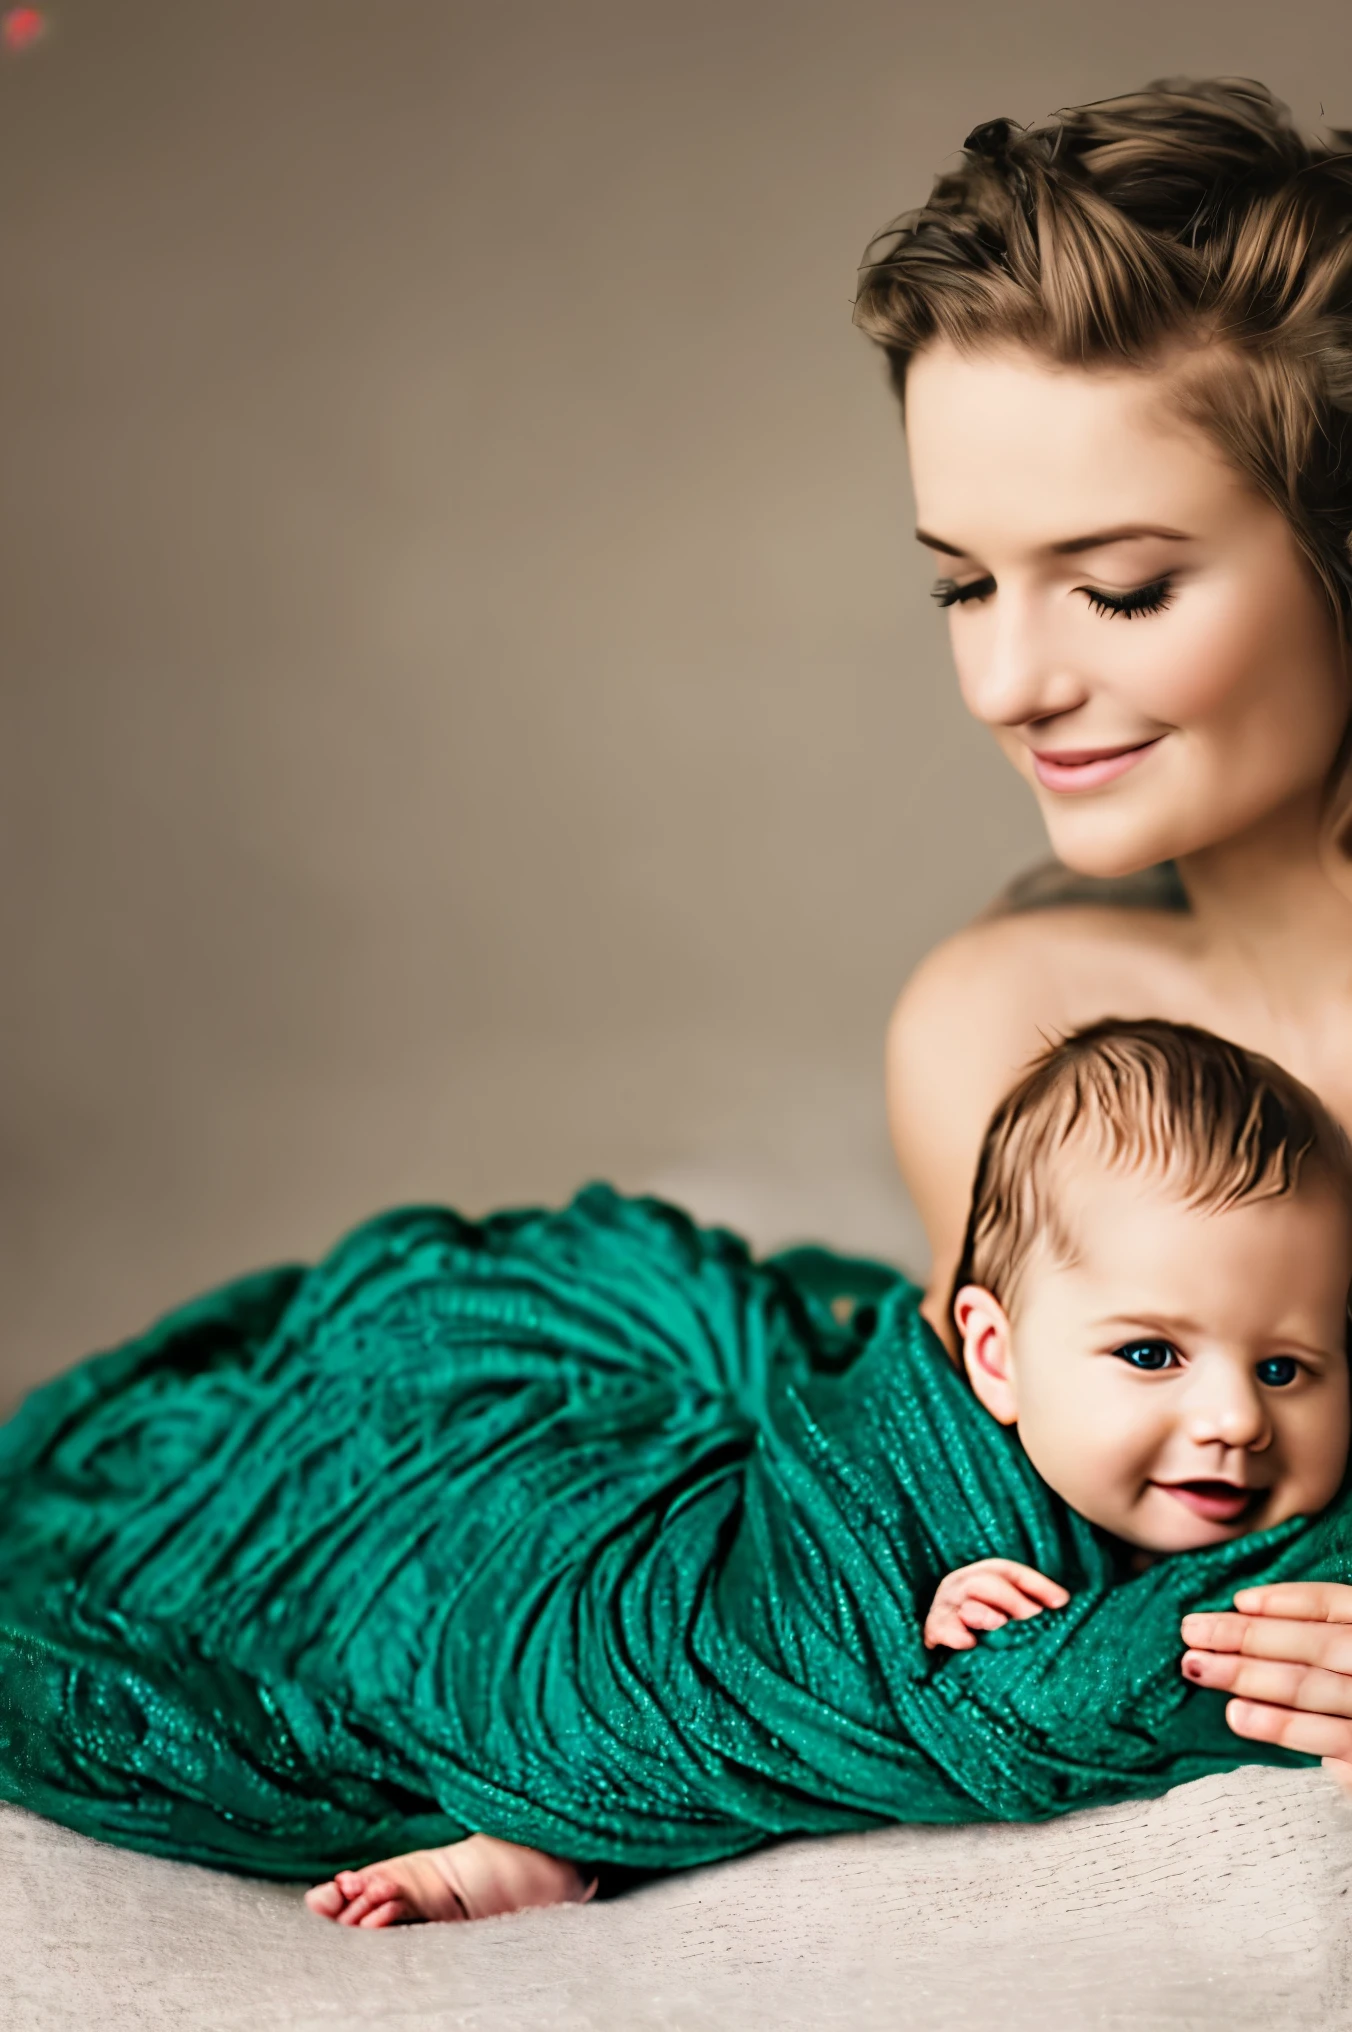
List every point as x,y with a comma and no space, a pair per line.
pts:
1185,1379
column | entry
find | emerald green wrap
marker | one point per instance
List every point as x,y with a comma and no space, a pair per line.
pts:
583,1528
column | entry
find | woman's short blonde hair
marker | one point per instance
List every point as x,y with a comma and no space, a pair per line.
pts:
1188,222
1216,1124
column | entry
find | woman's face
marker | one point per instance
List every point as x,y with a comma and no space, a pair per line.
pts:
1135,622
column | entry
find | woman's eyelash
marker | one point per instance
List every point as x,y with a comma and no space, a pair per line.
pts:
1151,599
949,593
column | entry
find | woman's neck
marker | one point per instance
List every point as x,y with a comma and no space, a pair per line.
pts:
1266,901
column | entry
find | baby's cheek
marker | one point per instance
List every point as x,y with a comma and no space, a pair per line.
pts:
1317,1450
1311,1479
1084,1471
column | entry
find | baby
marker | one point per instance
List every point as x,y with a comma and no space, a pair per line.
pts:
1153,1293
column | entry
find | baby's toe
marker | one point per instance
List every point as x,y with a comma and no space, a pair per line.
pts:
363,1891
393,1912
326,1900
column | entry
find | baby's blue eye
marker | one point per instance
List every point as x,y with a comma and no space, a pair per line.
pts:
1276,1370
1147,1354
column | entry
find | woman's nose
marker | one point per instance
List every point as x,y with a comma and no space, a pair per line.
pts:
1010,671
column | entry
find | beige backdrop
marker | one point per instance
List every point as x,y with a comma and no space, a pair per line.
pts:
472,717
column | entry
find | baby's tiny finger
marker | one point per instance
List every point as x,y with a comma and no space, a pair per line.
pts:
946,1630
999,1593
1027,1579
979,1615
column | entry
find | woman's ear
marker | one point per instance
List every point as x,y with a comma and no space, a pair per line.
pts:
987,1350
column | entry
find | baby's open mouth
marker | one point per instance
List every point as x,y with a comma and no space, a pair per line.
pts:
1217,1502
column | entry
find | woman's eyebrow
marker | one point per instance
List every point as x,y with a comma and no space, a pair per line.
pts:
1072,545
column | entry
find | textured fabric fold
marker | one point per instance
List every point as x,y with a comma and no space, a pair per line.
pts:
580,1527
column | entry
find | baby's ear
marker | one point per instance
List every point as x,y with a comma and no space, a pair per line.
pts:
987,1350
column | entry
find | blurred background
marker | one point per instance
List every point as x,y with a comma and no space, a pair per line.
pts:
471,717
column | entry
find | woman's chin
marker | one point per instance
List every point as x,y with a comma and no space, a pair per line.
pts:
1108,848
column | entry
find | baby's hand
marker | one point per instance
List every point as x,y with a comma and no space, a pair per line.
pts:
983,1596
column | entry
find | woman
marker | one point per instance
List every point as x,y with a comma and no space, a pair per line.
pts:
1121,342
584,1528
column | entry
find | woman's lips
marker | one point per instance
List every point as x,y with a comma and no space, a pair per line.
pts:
1086,768
1217,1502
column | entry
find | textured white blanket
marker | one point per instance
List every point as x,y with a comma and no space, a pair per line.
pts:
1224,1904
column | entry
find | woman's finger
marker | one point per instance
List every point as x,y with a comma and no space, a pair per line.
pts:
1317,1735
1273,1684
1299,1643
1304,1601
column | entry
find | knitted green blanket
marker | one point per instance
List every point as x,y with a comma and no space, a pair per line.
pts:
581,1528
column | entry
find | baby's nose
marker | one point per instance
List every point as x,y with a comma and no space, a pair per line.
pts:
1232,1412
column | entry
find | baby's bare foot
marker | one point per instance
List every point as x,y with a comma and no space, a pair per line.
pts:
473,1879
388,1894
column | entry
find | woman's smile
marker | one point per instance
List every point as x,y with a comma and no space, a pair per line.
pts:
1087,768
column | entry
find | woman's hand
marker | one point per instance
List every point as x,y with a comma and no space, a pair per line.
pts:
985,1595
1286,1654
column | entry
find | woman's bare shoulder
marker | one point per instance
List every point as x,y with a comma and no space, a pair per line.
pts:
1013,980
983,1004
975,1010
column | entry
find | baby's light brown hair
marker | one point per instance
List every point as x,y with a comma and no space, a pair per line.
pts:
1216,1124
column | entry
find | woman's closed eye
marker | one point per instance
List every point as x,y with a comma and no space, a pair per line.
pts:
1152,598
1148,599
1150,1356
955,593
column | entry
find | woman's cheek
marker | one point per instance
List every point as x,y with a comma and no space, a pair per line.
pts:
1255,652
1196,668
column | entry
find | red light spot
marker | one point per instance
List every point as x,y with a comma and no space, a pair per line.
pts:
22,27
